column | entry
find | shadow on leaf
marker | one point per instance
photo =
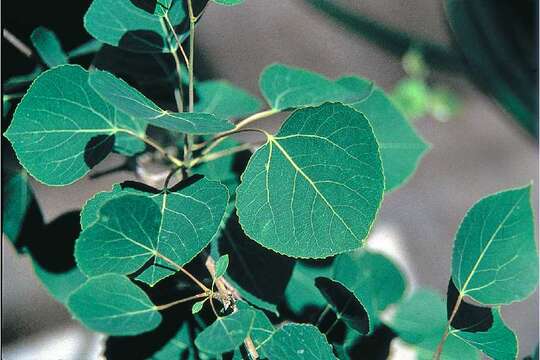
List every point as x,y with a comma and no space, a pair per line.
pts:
97,149
470,318
260,272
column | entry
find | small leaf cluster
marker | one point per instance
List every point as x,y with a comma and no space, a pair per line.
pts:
253,250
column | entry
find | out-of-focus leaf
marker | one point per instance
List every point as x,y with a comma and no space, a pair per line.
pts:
48,47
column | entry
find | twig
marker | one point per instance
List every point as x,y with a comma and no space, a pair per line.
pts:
438,353
228,297
171,304
18,44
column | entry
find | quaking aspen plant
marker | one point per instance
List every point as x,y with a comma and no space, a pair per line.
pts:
246,249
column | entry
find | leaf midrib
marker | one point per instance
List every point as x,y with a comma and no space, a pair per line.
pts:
272,140
463,290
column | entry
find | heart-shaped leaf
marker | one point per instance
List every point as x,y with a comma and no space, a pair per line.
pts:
123,229
314,189
62,128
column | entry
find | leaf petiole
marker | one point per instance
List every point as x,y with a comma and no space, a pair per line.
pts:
180,301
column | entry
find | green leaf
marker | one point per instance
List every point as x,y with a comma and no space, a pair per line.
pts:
60,284
90,47
346,304
127,99
19,81
48,47
162,7
373,278
225,100
412,97
297,342
62,128
301,292
16,199
259,275
226,333
124,24
261,328
499,342
221,266
420,320
228,2
314,189
286,87
454,349
495,259
123,229
112,304
197,307
400,145
127,144
419,317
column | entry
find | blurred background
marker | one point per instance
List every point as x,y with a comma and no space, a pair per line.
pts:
483,146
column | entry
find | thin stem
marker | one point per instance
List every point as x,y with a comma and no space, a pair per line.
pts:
178,92
327,332
239,128
255,117
192,20
18,44
168,21
213,306
438,353
220,137
219,154
169,177
171,304
156,146
323,313
227,293
191,93
187,273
